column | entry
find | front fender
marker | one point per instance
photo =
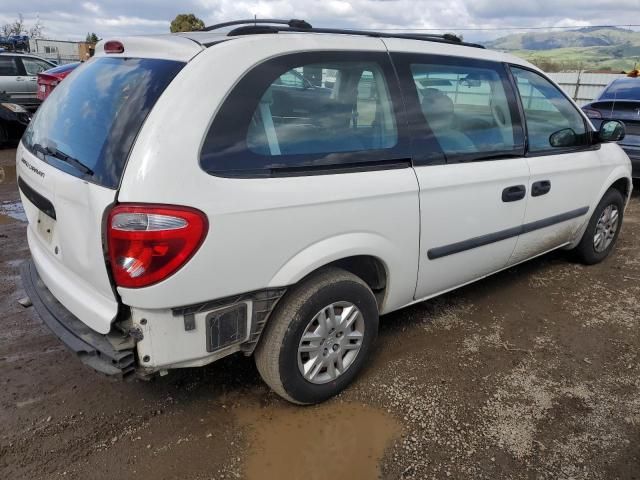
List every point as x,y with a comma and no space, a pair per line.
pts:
618,172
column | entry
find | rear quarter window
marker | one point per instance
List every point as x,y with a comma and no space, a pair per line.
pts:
316,110
95,114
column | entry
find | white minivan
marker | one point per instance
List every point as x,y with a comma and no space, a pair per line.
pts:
273,189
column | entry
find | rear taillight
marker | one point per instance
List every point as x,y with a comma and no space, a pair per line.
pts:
149,243
47,79
591,113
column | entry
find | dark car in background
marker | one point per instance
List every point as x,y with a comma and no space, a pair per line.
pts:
620,100
49,79
14,119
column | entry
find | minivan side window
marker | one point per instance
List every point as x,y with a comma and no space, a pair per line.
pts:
8,67
459,109
466,107
547,112
289,113
349,111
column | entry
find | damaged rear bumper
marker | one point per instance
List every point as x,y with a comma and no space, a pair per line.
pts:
93,349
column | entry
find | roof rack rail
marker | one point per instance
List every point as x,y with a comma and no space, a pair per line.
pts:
293,23
262,25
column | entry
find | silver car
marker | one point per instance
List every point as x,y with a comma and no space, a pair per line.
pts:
18,77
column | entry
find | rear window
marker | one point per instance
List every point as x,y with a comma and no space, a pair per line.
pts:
94,115
628,89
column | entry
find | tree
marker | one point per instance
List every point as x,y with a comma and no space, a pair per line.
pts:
37,30
92,38
186,22
15,28
18,27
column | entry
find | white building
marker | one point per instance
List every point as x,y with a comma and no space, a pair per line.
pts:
60,51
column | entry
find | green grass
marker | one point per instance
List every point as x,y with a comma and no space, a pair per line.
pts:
604,49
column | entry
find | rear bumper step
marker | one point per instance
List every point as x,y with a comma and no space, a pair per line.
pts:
94,349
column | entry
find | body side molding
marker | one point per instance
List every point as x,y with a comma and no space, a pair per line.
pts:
446,250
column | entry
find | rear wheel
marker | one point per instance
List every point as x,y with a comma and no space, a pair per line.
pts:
319,337
602,232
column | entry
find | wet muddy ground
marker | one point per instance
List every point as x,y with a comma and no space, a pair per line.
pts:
533,373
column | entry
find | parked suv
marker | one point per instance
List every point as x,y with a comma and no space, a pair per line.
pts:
179,212
18,73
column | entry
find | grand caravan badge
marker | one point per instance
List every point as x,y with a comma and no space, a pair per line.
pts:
32,168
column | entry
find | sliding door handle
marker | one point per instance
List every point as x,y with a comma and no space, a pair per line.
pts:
540,188
513,194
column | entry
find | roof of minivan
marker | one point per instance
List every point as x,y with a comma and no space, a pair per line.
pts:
185,45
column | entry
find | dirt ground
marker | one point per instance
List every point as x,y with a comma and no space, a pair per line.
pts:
533,373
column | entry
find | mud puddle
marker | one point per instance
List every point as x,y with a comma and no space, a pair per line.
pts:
336,440
11,211
8,174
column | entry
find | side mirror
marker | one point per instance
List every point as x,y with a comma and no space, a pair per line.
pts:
611,131
563,138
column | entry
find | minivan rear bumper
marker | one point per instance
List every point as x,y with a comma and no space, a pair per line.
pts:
93,348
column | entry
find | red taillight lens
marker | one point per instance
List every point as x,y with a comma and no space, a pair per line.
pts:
47,79
113,46
149,243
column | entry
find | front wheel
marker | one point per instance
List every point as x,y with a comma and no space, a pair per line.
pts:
602,232
319,337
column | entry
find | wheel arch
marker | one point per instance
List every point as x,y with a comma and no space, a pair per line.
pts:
620,180
363,254
624,186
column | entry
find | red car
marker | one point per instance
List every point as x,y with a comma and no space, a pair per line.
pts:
48,79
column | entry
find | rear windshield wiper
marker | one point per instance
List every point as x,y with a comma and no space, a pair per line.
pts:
54,152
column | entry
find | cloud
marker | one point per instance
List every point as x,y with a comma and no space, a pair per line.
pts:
122,21
70,19
91,7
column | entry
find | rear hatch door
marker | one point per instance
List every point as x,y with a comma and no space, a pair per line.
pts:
70,163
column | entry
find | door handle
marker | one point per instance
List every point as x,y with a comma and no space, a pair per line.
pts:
514,193
20,79
540,188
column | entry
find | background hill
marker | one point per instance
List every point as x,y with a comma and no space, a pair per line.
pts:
591,48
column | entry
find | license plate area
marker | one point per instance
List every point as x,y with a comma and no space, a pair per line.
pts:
45,226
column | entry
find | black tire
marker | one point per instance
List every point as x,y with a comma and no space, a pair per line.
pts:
4,135
277,353
586,251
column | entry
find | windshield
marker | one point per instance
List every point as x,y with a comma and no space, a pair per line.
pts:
627,89
94,115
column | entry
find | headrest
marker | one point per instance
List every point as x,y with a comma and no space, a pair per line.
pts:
436,103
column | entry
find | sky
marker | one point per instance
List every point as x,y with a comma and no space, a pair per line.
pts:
72,19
